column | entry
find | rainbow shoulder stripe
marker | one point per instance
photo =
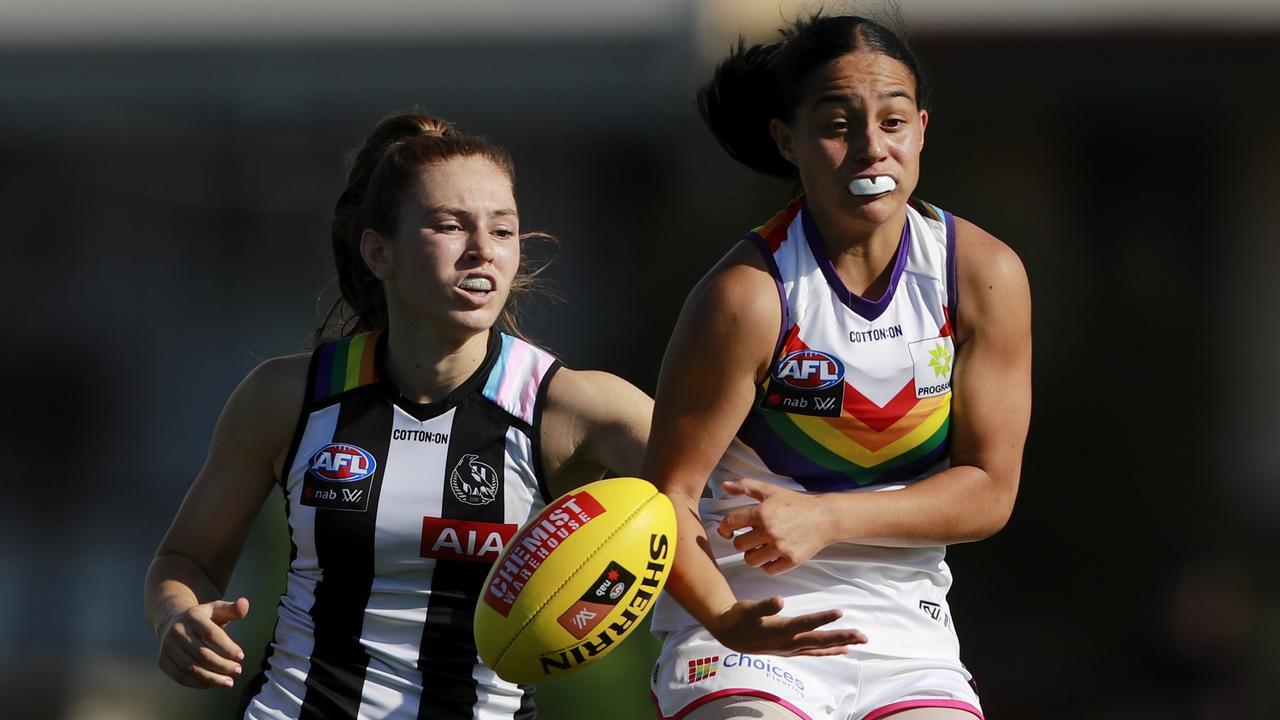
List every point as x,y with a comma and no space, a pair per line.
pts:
516,378
343,365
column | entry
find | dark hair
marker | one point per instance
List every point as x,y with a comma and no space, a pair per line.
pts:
383,170
757,83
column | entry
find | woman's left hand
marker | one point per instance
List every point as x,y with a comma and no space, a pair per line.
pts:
786,527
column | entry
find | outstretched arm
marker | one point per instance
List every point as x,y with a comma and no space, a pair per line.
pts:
990,413
593,422
721,347
186,581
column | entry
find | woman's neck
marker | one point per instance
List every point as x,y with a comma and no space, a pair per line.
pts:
861,252
426,367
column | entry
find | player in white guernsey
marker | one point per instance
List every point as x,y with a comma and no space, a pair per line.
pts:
852,382
408,451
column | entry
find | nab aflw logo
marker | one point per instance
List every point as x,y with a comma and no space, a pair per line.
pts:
810,370
339,476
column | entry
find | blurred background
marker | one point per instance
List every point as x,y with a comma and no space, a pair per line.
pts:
166,174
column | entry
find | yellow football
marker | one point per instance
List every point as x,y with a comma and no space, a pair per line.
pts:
576,580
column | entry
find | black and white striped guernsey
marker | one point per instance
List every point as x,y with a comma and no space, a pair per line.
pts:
396,511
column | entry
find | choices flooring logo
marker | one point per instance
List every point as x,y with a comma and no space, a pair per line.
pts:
703,668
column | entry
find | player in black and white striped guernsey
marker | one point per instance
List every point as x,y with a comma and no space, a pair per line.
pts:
408,452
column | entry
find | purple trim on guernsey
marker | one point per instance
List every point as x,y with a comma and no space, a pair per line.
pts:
952,290
869,310
772,264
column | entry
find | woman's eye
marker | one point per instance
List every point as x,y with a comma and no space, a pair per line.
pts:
838,125
894,123
448,227
504,233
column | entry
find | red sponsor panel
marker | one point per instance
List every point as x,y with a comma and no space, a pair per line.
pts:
446,539
535,543
582,616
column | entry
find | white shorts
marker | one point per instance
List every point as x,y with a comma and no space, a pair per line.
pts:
694,669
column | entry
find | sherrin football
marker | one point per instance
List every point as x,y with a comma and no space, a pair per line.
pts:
576,580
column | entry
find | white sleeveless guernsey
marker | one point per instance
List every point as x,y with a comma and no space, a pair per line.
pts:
396,511
858,399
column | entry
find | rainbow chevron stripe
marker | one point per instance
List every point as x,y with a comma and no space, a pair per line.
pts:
344,365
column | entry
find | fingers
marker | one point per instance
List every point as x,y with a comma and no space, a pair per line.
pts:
223,612
197,667
188,642
735,520
211,635
762,608
751,488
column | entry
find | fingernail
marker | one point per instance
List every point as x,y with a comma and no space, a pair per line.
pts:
240,656
228,682
238,670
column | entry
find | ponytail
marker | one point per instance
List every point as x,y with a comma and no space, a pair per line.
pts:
758,83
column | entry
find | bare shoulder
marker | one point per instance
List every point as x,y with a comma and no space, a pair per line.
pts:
263,409
592,421
739,290
734,311
981,255
579,401
990,275
570,387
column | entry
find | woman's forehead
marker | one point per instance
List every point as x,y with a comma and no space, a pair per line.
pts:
857,77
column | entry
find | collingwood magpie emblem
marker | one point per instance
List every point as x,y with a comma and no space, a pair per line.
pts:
473,482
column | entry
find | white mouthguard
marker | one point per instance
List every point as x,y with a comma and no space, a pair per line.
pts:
872,185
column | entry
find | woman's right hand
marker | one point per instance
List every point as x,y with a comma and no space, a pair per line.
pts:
754,626
195,649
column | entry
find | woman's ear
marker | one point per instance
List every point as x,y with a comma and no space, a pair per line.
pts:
376,251
781,133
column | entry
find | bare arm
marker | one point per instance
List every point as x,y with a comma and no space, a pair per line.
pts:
720,348
990,413
186,581
593,421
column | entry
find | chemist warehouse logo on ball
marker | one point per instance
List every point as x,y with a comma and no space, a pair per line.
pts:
703,668
338,477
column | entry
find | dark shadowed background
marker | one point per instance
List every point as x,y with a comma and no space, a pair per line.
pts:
167,173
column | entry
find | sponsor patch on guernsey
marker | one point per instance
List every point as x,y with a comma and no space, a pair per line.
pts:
932,360
809,370
807,382
339,476
341,463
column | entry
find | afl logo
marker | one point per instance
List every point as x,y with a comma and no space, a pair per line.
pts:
809,370
338,462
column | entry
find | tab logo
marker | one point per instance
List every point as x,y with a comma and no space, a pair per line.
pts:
809,370
341,463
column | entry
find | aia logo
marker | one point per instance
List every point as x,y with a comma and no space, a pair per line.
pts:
342,463
809,370
466,540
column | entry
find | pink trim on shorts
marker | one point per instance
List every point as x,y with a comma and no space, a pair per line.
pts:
730,691
892,708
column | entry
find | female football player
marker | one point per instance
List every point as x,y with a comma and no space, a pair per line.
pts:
408,451
852,382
